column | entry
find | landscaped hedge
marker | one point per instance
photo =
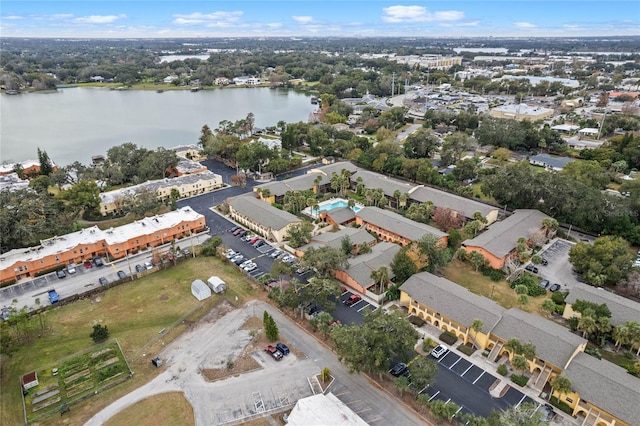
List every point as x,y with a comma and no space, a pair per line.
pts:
561,405
417,321
48,271
502,370
467,350
448,337
494,274
519,380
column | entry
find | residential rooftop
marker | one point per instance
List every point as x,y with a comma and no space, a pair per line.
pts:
398,224
361,267
455,202
334,239
263,213
622,309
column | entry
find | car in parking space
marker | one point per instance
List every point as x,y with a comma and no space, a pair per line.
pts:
60,273
230,254
148,265
239,260
245,263
253,240
554,287
122,275
257,243
103,281
399,369
438,351
234,229
87,264
274,352
544,262
249,267
5,314
353,299
139,268
531,268
283,348
544,283
275,253
98,261
242,233
186,252
71,269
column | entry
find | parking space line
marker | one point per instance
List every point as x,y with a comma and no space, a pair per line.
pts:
434,395
343,393
364,307
453,365
521,399
465,371
354,402
481,374
344,292
377,419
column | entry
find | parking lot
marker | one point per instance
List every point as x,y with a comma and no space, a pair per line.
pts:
558,270
467,385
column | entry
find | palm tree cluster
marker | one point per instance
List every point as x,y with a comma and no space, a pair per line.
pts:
628,334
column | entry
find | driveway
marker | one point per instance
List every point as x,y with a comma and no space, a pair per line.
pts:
559,269
275,386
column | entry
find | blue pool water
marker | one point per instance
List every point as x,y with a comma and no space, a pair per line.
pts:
337,204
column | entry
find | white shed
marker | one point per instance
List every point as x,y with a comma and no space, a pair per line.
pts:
216,284
200,290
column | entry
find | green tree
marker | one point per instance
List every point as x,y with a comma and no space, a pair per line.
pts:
324,260
346,245
587,324
46,166
607,261
591,173
519,363
548,306
525,414
40,184
321,322
402,384
423,372
477,260
421,143
210,247
270,327
438,257
84,195
299,234
380,278
100,333
444,409
402,267
369,346
454,146
562,385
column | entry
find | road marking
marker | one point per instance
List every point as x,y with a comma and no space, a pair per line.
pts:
354,402
364,307
377,419
521,399
465,371
343,393
434,395
457,361
481,374
362,411
345,292
411,362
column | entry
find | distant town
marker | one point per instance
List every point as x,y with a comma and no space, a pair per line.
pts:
457,219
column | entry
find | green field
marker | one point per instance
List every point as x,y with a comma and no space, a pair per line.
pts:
142,315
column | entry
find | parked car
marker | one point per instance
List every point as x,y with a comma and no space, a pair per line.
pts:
242,233
234,229
122,275
98,262
61,274
531,268
253,240
5,314
103,281
274,352
71,269
438,351
353,299
260,243
554,287
257,242
239,260
249,267
544,283
186,252
148,265
87,264
399,369
544,262
230,254
283,348
139,268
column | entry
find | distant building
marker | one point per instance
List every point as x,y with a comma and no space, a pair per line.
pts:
11,182
262,218
395,228
521,112
246,81
550,162
29,168
76,247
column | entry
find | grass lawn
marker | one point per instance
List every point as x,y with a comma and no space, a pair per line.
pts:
170,408
477,192
135,313
617,358
464,275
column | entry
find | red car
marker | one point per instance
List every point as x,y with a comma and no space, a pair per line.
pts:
353,299
274,352
87,264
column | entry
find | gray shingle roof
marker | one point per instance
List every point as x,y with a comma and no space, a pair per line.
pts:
551,161
397,224
502,237
262,212
334,239
374,180
342,214
622,309
360,267
452,300
606,386
306,181
440,198
554,343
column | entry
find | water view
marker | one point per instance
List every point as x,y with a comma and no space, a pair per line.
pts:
78,123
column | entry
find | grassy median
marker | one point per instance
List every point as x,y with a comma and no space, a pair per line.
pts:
143,316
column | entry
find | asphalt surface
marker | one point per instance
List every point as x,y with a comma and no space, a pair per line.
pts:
466,384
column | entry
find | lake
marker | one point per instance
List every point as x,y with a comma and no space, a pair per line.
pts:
78,123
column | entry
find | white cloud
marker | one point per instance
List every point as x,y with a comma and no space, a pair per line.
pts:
399,14
215,18
99,19
524,25
302,19
274,25
12,17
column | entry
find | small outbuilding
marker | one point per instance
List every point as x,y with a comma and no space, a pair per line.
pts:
200,290
216,284
29,380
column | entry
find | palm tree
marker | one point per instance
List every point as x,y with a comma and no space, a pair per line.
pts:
634,334
316,184
396,195
587,325
562,385
519,363
476,326
548,306
621,335
513,346
403,199
381,277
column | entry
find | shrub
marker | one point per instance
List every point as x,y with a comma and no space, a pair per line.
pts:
417,321
519,380
428,344
559,309
467,350
594,352
533,289
100,333
448,337
493,274
561,405
558,297
502,370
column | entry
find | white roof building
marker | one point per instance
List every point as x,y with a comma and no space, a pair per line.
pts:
200,290
323,410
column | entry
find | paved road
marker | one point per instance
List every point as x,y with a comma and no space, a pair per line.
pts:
273,386
406,132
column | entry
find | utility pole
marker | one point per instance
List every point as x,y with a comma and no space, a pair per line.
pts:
393,83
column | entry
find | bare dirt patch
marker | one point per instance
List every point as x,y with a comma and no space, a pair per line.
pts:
164,297
164,409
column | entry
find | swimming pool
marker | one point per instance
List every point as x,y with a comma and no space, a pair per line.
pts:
328,205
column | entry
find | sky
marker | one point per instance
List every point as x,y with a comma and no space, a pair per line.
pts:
313,18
